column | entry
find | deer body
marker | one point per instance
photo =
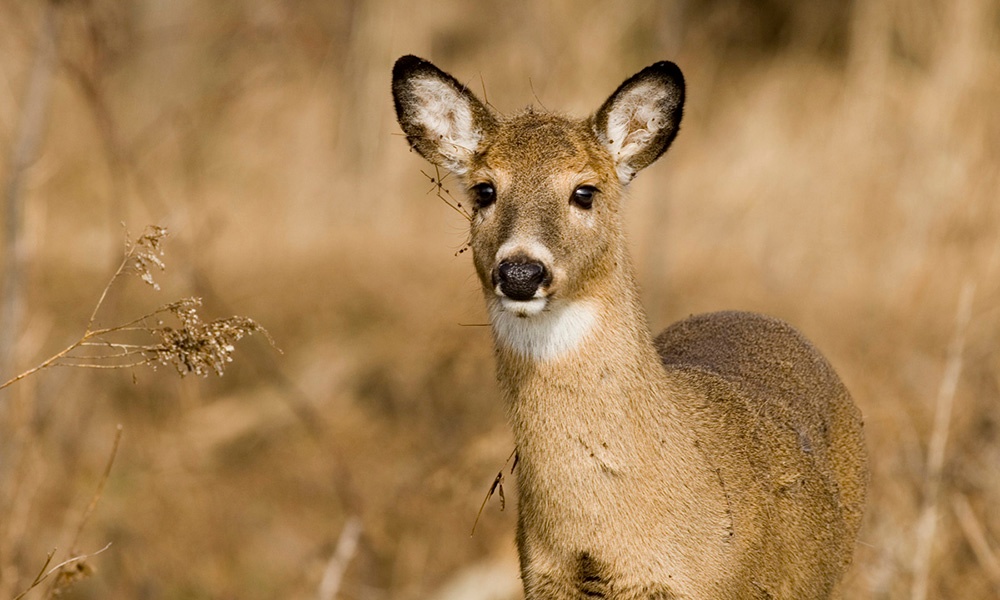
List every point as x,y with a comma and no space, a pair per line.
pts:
724,459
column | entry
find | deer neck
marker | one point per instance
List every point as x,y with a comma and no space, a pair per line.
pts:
595,417
583,367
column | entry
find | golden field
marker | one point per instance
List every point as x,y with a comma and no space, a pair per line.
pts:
838,167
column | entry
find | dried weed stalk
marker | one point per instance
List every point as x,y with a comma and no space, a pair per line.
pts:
77,563
927,522
496,487
444,194
192,346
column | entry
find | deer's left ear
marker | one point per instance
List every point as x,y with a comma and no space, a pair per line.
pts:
640,120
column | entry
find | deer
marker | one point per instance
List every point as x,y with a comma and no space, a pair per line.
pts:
721,459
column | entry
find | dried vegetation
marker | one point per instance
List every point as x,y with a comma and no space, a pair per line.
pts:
838,167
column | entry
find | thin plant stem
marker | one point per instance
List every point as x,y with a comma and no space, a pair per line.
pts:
91,333
43,574
93,502
46,363
347,545
122,353
84,340
496,486
104,293
137,363
927,521
975,535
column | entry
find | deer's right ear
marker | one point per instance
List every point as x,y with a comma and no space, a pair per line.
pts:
442,120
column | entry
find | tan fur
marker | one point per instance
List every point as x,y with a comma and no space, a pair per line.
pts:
723,460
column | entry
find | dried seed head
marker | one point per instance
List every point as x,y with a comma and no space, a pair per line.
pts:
198,347
146,253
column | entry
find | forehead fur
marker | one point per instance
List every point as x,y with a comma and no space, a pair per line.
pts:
534,138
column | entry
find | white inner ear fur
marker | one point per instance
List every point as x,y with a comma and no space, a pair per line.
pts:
446,115
547,335
635,119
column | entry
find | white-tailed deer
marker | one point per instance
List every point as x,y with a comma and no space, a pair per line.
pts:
722,459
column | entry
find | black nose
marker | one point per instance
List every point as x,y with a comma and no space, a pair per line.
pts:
519,280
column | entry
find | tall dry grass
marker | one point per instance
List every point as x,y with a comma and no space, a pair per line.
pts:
837,167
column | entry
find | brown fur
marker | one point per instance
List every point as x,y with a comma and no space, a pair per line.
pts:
725,460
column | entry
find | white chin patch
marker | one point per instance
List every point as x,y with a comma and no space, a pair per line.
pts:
523,308
540,330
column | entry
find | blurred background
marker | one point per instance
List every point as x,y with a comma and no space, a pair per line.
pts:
838,166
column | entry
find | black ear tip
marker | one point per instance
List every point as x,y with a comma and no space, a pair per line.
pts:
405,64
666,70
408,64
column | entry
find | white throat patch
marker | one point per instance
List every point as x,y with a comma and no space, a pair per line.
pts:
546,335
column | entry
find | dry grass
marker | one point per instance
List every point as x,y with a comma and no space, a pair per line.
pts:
838,168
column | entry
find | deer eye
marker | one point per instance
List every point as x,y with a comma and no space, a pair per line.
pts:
484,194
583,196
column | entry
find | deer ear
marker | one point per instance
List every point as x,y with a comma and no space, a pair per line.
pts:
640,120
442,120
